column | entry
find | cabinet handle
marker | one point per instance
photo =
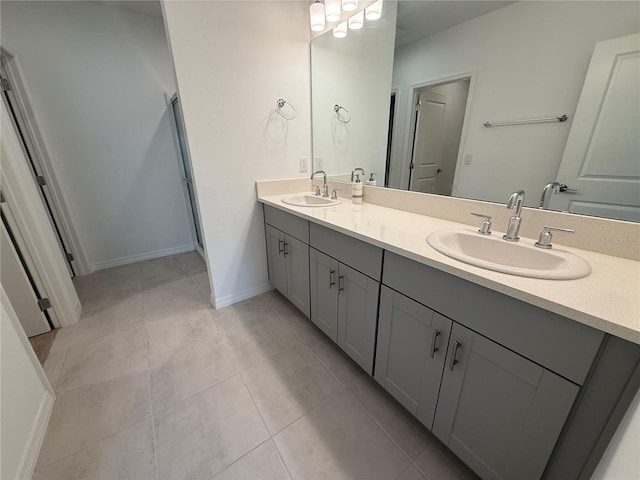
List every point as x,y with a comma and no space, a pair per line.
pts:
280,249
340,287
285,250
434,338
331,281
454,352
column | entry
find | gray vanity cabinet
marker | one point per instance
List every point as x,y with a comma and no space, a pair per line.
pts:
498,411
288,256
412,345
344,305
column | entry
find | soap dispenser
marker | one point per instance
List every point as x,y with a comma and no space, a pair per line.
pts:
371,181
356,190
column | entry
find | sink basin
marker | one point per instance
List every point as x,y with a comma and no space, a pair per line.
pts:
310,200
494,253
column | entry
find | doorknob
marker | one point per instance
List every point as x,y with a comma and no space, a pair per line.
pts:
439,170
565,188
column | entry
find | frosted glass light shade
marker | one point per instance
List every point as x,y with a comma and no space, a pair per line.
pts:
349,5
316,16
333,9
374,11
357,21
340,30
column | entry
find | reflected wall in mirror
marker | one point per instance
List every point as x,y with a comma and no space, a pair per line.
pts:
522,60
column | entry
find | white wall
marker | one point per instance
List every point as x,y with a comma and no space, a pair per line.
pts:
530,60
353,72
233,60
96,76
25,397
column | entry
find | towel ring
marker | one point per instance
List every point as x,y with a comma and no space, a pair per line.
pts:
280,104
337,108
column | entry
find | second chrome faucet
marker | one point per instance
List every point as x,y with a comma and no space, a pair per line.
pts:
515,202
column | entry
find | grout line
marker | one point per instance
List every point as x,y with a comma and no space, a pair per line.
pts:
153,419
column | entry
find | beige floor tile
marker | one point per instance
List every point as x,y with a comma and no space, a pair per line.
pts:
175,331
121,353
437,463
346,370
63,339
127,455
98,299
288,385
253,332
123,274
202,283
262,463
207,432
173,299
338,440
301,325
53,366
399,424
411,473
160,271
181,373
83,416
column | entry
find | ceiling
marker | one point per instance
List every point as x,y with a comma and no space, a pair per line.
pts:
151,8
420,18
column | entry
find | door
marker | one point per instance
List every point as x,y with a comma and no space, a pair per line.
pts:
357,315
275,259
412,345
16,111
428,142
324,292
19,287
602,157
185,164
297,263
499,412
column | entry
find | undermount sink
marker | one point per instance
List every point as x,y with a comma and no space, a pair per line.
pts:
494,253
310,200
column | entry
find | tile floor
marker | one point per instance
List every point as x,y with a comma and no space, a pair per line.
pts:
154,384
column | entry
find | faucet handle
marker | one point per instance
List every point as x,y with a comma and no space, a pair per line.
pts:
317,190
334,193
545,236
485,229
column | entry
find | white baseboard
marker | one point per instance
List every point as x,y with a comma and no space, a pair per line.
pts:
141,256
238,297
36,437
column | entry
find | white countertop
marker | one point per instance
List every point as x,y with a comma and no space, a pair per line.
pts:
608,299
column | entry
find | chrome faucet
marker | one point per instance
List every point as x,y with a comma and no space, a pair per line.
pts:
353,172
515,201
549,188
325,189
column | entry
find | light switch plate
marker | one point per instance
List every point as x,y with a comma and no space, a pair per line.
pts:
304,161
319,163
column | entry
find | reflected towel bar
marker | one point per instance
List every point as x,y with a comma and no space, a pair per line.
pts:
561,118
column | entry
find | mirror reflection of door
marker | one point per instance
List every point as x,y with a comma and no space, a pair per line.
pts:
439,117
601,160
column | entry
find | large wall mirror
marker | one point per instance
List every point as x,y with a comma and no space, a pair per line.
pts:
417,87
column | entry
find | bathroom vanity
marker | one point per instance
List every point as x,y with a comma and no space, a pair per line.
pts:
519,377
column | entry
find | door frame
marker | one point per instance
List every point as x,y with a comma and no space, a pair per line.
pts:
15,73
412,96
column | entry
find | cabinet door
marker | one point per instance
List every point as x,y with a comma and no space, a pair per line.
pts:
296,254
275,259
499,412
412,345
324,292
357,315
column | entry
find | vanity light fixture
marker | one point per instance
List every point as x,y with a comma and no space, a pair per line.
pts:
349,5
316,16
340,30
333,10
374,11
356,21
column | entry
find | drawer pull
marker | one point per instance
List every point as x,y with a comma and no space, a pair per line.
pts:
331,281
285,249
434,339
454,353
280,248
340,287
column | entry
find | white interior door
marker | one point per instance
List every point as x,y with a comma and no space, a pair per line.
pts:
428,142
16,283
602,156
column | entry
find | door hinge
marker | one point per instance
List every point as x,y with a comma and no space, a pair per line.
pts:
69,257
6,86
44,304
418,106
41,181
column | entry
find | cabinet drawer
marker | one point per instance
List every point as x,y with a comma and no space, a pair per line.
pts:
555,342
364,257
290,224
